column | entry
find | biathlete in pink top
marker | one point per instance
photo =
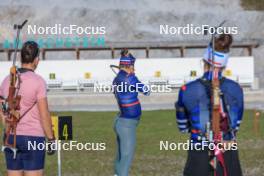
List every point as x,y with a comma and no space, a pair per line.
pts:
36,123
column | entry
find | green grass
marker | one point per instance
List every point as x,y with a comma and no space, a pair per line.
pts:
149,160
253,4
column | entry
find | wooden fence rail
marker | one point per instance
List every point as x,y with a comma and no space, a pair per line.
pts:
147,47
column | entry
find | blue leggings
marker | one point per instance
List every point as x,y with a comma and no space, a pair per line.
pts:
125,130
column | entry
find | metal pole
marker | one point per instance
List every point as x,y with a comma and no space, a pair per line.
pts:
59,161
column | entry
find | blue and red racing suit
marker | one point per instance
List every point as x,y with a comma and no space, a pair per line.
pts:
126,87
193,106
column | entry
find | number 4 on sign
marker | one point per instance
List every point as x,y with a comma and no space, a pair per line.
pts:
65,132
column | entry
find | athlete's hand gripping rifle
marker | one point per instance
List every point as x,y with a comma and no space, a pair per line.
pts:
13,100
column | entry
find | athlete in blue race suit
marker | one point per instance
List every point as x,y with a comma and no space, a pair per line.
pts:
194,108
126,87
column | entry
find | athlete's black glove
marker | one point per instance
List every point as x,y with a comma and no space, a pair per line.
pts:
50,150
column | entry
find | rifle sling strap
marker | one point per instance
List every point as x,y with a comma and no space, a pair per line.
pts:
25,113
207,85
24,70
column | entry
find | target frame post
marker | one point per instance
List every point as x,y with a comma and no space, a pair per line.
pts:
62,128
256,122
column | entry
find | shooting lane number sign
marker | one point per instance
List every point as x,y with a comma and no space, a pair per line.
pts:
62,127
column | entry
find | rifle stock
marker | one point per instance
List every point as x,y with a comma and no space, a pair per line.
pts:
215,106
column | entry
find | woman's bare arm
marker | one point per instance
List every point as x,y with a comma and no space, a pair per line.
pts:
45,117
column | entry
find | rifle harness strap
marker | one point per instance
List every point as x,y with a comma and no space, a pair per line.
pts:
217,152
24,70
